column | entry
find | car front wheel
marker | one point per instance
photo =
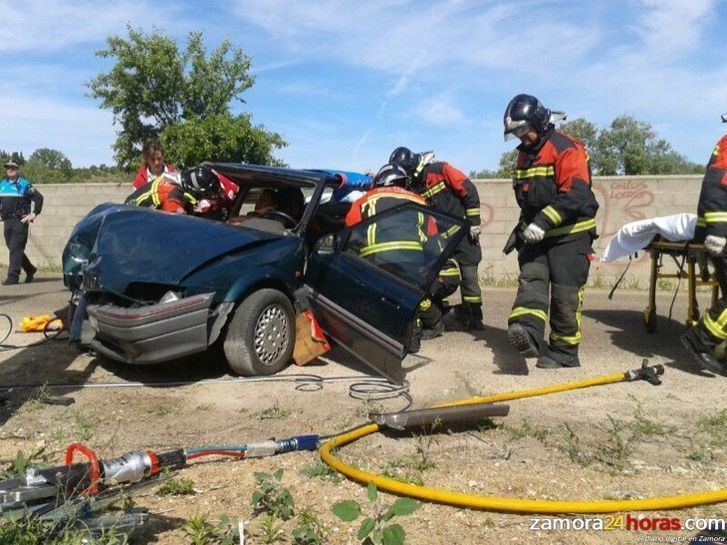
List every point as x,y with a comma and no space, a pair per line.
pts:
261,335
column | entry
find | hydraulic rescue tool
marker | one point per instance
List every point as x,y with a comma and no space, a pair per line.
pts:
84,490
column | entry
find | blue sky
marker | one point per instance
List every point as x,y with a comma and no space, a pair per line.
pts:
347,81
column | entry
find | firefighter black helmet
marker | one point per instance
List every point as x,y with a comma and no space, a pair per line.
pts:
523,113
200,181
391,174
405,158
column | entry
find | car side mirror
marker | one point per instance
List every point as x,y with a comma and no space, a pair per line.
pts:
326,245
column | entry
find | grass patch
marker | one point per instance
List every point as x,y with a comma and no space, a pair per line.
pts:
716,428
275,412
176,487
319,470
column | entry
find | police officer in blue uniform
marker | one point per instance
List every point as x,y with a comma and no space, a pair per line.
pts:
16,197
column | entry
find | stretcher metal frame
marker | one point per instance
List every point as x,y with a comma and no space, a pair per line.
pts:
691,254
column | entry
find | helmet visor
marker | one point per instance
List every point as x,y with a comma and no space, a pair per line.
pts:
516,129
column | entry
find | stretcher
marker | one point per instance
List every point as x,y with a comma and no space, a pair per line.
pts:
688,257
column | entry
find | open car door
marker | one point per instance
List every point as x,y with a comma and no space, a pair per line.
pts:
367,302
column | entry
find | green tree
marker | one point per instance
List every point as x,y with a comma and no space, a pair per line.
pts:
47,165
156,91
631,147
583,130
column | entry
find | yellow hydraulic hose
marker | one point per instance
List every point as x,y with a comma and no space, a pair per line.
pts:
511,505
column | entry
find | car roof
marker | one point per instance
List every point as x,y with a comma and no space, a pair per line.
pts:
245,174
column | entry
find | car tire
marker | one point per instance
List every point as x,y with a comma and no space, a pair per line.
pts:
261,335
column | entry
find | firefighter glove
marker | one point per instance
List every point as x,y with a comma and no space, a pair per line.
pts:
475,233
715,245
533,234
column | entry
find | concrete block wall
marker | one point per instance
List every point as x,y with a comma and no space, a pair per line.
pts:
622,199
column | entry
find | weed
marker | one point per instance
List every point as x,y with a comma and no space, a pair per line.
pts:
29,530
716,427
423,446
270,530
642,426
322,471
377,528
664,285
571,444
176,487
598,282
202,532
83,424
274,413
22,462
203,407
401,469
271,498
487,424
619,446
527,429
310,530
161,410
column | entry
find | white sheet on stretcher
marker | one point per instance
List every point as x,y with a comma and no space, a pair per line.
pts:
637,235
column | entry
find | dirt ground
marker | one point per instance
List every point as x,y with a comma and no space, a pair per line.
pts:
623,441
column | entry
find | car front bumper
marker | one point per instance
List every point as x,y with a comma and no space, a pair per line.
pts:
150,334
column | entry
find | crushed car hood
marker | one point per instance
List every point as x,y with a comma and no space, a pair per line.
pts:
140,245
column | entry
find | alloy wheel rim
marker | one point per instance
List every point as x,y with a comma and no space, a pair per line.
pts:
271,334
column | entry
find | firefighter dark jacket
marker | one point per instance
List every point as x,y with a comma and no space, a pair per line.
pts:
712,207
163,194
447,189
553,187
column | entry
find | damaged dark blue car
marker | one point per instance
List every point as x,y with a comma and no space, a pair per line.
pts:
152,287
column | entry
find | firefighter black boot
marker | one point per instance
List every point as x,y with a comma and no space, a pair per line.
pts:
522,340
553,358
701,351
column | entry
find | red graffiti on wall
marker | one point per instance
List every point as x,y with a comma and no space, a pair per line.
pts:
487,214
625,199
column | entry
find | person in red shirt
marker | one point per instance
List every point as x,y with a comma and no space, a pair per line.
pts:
552,186
153,166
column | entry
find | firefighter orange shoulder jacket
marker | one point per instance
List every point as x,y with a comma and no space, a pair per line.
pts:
553,186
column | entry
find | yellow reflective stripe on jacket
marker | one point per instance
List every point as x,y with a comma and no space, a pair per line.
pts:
472,299
151,193
522,311
449,232
472,212
715,217
576,337
437,188
426,304
420,228
580,227
714,328
701,222
534,172
553,215
390,247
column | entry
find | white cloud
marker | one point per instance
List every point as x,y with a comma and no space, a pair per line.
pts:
672,27
440,111
43,25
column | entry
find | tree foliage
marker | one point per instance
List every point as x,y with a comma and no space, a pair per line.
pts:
158,92
627,147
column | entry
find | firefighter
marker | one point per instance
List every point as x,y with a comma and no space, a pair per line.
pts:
703,338
180,194
557,226
446,189
407,248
